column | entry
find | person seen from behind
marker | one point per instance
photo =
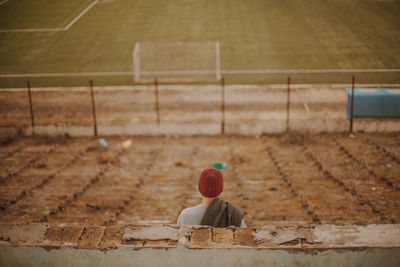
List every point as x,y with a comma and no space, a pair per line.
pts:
212,211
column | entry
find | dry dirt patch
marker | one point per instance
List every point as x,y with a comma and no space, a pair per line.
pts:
275,179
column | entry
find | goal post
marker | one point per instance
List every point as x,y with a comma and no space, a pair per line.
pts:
176,61
136,62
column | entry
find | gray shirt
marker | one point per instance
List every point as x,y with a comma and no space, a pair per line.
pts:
193,216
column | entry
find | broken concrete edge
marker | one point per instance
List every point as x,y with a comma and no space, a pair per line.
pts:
291,237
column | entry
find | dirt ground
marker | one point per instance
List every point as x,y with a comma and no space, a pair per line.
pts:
274,179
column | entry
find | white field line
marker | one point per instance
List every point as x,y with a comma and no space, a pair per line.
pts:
3,2
35,30
80,15
218,60
128,73
272,71
53,29
178,72
72,74
197,87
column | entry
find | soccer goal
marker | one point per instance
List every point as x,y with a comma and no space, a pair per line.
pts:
176,61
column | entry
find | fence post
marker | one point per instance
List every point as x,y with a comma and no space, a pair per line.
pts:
157,105
222,105
288,104
352,104
93,108
31,105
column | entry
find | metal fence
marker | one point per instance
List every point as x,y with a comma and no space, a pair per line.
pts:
213,109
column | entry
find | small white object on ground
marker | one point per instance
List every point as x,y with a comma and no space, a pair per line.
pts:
126,144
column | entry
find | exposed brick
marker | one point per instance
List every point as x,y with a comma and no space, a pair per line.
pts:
201,237
71,234
223,235
134,243
112,237
91,237
172,243
153,232
160,243
244,237
282,237
155,243
54,235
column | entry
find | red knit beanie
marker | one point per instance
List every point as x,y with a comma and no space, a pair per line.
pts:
211,182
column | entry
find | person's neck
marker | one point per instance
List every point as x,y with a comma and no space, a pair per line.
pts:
207,201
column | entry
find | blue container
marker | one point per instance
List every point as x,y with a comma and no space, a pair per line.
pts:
374,102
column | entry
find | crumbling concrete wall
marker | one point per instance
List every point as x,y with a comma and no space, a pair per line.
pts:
170,245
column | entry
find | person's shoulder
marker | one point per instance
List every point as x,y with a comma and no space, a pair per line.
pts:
192,209
185,211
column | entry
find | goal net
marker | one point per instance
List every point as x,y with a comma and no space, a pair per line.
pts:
176,62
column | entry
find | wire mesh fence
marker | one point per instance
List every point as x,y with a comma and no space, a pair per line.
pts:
67,107
14,108
252,109
119,106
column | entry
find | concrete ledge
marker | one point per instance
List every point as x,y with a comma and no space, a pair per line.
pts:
310,126
181,256
170,236
170,245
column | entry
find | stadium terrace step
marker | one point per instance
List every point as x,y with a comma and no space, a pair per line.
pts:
123,245
306,237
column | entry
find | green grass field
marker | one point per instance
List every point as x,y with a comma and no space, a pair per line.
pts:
28,14
254,34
